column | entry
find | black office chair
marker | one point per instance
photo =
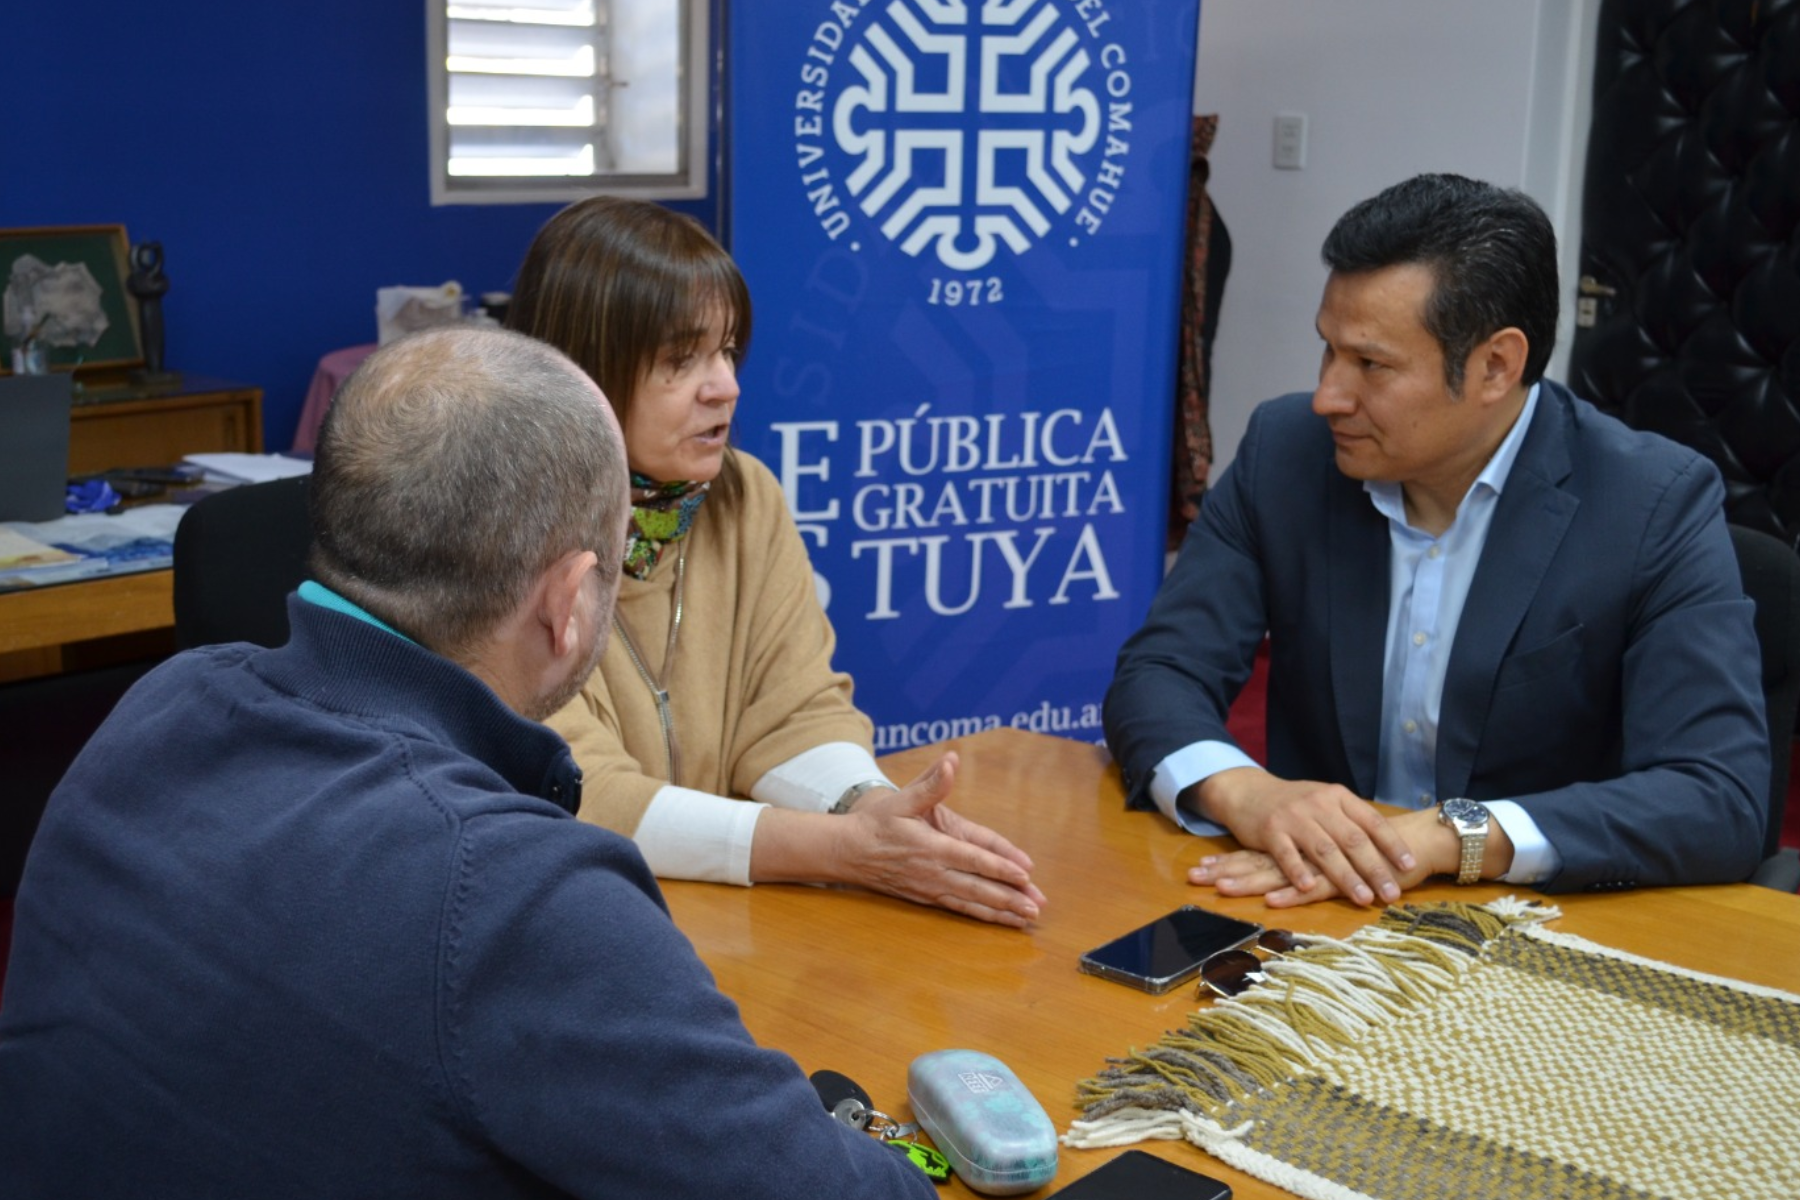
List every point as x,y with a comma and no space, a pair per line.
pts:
238,554
44,723
1771,575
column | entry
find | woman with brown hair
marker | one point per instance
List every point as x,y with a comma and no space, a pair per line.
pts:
715,731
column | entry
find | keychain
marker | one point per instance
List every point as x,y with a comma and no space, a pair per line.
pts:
846,1101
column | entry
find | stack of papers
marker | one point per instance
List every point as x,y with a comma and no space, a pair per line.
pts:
18,550
89,544
250,468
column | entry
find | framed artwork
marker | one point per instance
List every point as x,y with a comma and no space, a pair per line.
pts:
64,288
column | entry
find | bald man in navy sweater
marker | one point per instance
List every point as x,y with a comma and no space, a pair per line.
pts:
319,921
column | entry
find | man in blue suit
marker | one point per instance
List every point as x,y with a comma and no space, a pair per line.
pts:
1485,601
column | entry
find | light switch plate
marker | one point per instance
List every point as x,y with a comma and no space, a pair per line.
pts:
1290,141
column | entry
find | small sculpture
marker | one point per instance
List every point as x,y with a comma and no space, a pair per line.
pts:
148,283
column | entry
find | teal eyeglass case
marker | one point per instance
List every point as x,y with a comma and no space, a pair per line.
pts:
996,1135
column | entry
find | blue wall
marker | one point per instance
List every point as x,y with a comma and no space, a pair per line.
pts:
280,154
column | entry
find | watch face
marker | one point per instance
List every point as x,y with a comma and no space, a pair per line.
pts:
1461,813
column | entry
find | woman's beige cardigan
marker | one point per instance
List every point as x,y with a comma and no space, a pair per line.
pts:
753,684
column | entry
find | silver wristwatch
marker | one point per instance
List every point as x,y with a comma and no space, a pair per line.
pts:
852,795
1470,820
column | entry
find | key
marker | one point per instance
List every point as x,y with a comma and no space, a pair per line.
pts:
854,1113
845,1099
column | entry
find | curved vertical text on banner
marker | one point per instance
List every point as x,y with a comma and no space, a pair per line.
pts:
962,222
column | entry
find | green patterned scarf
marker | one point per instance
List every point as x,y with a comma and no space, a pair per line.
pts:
661,513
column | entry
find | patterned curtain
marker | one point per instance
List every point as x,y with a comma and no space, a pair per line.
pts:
1203,287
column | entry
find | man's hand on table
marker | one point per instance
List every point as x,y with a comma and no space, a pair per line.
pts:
1437,851
1310,835
1255,873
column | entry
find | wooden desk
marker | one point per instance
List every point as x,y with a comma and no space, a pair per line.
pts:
43,629
120,426
862,984
31,618
113,424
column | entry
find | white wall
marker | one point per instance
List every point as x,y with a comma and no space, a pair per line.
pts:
1492,89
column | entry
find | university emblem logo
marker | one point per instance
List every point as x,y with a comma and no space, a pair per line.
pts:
962,129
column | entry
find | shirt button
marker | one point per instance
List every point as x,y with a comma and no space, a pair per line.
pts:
1425,799
1418,639
1434,552
1411,727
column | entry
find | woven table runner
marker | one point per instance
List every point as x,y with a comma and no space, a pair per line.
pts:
1461,1051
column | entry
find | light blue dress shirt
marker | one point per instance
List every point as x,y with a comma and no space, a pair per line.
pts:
1428,581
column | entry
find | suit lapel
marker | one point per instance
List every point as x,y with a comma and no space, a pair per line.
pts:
1530,520
1357,551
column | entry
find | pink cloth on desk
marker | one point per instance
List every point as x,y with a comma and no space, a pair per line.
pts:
333,369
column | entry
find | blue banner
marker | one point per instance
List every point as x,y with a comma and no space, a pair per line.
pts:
962,226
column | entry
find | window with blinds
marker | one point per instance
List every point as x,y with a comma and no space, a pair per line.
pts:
549,100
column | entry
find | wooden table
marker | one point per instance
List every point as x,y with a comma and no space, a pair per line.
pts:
42,628
86,608
862,983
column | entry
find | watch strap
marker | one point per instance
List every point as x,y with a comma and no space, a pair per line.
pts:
1459,815
853,794
1474,850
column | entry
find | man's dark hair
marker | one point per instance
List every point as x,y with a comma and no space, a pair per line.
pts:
1491,251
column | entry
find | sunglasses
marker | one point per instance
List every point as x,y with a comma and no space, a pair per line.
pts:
1231,972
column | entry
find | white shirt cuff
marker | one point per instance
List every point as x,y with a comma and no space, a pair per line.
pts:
1534,858
812,780
688,834
1186,767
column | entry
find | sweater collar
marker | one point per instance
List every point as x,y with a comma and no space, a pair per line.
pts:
343,662
317,593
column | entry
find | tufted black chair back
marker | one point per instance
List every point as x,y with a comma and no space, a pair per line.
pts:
1690,246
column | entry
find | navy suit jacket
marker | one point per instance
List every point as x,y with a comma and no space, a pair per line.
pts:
1605,674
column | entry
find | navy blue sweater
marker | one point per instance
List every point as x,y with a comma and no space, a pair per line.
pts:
318,921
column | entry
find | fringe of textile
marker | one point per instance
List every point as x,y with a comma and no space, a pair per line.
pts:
1325,995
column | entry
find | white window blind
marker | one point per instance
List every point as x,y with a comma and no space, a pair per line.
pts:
553,99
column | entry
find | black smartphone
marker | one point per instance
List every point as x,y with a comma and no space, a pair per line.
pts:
1169,950
1136,1175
